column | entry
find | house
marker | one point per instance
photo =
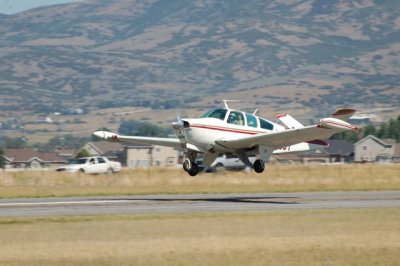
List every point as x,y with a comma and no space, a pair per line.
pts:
288,158
29,158
338,151
66,154
373,149
111,150
144,156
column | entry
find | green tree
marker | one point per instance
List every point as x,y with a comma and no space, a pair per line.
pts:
66,141
83,153
383,131
142,129
2,159
369,130
15,143
350,136
393,129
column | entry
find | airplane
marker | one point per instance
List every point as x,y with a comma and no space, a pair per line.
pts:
229,131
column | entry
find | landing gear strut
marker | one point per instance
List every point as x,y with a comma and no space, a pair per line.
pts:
259,166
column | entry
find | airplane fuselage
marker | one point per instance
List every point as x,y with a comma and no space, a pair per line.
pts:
205,132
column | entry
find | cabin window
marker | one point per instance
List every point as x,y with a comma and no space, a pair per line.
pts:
216,113
251,120
236,118
266,125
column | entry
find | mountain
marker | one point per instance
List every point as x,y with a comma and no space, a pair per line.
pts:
102,53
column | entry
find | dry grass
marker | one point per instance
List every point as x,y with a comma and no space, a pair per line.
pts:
277,178
319,237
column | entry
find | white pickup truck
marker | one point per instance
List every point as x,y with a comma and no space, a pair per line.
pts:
225,162
91,165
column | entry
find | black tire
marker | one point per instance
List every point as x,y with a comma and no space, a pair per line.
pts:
219,167
110,171
193,170
259,166
81,171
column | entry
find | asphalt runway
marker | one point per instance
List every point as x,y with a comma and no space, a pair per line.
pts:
198,203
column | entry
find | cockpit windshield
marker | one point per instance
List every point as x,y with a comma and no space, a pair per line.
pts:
215,113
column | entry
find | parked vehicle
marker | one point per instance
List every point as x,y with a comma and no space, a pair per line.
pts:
91,165
224,162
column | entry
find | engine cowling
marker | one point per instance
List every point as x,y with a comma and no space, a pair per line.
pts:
334,123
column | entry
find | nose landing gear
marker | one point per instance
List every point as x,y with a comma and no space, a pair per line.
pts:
191,167
189,164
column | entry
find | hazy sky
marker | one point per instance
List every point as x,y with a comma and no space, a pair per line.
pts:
15,6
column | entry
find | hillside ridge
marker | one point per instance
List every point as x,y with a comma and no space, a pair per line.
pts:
164,54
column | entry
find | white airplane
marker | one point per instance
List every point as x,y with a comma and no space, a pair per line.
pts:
225,130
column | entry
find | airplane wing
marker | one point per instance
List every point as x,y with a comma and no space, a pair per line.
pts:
169,142
281,139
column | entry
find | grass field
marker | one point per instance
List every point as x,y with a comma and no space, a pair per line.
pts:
314,237
276,178
285,237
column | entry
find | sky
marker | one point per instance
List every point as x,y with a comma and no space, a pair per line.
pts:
14,6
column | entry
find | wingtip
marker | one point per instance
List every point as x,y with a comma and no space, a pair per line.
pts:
98,134
105,135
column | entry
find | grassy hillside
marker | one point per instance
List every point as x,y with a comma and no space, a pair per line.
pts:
306,53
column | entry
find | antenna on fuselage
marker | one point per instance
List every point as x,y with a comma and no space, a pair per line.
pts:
226,102
255,112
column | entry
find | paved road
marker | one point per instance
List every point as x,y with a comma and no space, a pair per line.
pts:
196,203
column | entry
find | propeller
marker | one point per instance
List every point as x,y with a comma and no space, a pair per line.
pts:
178,114
179,124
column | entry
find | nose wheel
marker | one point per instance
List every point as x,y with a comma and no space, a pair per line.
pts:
191,167
259,166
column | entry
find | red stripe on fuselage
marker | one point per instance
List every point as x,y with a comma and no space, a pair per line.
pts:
228,129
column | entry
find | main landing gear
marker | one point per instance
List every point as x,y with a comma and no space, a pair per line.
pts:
192,168
259,166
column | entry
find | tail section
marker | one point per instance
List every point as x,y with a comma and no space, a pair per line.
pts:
331,125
